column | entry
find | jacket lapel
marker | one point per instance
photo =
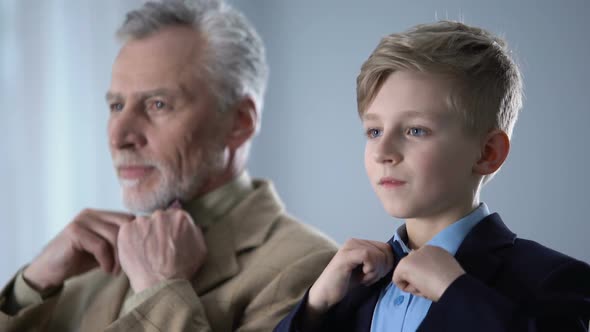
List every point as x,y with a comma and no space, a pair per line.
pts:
366,308
362,300
106,306
480,254
246,226
221,262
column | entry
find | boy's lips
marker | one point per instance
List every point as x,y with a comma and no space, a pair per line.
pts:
133,172
390,182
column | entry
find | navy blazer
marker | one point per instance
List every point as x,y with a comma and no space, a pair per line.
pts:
510,284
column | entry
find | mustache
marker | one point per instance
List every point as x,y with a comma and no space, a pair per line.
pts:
127,158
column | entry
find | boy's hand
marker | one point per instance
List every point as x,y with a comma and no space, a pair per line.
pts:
427,272
357,262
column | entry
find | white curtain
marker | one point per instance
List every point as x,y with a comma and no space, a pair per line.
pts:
55,59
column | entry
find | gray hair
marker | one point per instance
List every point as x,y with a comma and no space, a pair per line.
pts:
235,59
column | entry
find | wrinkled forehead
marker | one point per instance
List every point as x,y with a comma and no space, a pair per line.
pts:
170,56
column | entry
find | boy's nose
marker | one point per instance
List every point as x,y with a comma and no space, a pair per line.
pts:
388,153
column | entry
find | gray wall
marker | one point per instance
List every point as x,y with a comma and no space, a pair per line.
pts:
55,65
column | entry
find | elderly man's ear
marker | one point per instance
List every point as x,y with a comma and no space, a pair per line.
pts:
245,120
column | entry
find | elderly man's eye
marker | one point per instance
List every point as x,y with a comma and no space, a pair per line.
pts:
158,105
116,107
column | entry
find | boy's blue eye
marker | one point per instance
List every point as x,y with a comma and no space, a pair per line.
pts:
415,131
373,133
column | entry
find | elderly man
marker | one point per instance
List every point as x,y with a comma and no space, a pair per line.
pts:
206,248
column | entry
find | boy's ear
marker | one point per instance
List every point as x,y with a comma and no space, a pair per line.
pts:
244,123
495,148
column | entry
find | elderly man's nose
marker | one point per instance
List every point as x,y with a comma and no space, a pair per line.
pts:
126,130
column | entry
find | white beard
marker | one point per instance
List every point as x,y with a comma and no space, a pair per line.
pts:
171,185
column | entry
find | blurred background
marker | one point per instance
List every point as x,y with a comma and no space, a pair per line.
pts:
55,58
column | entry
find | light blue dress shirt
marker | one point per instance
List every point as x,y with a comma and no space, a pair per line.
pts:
398,311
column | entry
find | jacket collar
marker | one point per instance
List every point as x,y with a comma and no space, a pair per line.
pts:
106,306
245,226
479,254
213,206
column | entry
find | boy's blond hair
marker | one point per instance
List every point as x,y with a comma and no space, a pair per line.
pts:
488,87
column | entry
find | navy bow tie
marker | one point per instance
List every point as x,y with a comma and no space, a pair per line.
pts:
398,252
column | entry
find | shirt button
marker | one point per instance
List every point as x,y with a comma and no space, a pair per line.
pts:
398,300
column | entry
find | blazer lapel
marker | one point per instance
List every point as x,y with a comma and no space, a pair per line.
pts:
368,302
480,253
364,299
221,262
105,308
245,226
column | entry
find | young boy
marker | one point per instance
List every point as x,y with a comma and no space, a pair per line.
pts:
438,104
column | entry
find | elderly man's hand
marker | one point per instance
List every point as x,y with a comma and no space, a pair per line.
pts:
166,245
90,240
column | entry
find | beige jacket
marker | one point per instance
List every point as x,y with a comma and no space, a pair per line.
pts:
260,263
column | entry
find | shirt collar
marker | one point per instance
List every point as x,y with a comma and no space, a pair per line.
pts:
208,209
452,236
